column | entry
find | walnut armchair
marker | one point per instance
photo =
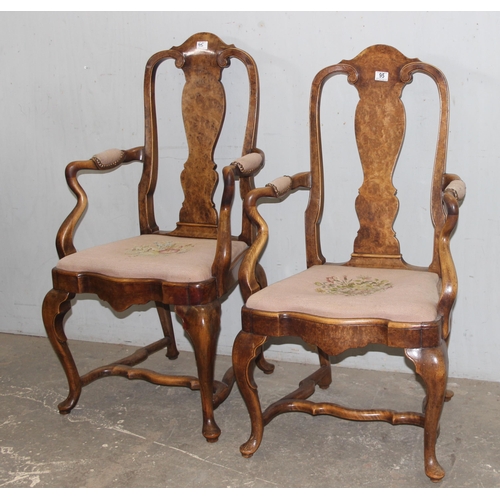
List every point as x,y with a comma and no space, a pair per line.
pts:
376,297
190,268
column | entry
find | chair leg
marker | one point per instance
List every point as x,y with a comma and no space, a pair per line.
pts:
202,324
432,365
55,306
246,348
263,364
168,329
324,360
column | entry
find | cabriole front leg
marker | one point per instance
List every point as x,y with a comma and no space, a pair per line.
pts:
432,365
246,348
55,306
202,325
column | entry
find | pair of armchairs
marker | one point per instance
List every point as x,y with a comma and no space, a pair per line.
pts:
374,298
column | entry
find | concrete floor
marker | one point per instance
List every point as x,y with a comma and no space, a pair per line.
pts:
133,434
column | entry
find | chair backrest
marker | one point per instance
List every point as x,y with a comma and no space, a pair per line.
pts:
379,74
202,58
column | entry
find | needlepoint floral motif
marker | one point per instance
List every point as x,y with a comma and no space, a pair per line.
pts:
362,285
157,248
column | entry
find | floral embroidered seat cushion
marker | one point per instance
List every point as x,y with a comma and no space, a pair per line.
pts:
153,256
334,291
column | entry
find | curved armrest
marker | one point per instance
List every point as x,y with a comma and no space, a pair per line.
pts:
107,160
456,187
453,195
277,189
281,186
110,158
249,164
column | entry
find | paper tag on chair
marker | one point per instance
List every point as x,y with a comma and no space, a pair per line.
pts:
202,45
381,76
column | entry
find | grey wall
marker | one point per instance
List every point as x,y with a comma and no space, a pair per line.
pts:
71,86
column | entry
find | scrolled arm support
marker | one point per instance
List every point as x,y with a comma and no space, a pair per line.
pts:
244,167
453,195
104,161
277,189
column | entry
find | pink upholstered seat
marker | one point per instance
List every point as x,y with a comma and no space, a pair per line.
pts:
169,258
332,291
